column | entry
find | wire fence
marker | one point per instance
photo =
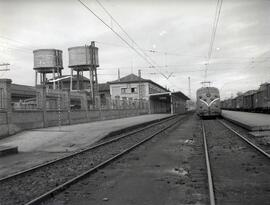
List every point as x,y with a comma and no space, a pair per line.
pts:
28,104
2,99
124,104
55,100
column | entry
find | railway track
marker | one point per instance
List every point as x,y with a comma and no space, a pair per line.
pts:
237,169
249,138
248,141
37,184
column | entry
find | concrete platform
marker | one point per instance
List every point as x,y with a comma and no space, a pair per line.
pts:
250,121
7,150
41,145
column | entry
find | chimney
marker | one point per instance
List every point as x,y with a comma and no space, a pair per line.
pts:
139,73
118,74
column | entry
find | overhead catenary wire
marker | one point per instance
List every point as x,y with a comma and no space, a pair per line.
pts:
212,38
170,53
125,41
129,37
24,47
213,34
10,39
131,46
119,36
217,14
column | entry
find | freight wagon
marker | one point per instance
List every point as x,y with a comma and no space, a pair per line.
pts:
250,101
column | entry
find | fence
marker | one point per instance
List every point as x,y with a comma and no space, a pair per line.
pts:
124,104
53,100
2,98
63,100
45,108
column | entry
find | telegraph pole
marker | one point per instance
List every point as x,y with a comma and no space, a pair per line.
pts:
189,88
4,65
118,74
139,91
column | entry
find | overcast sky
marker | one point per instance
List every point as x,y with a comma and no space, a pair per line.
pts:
179,30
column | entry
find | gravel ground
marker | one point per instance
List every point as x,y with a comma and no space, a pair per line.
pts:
22,189
262,142
167,170
46,144
240,174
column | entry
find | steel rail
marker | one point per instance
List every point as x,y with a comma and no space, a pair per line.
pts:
86,149
208,167
65,185
245,139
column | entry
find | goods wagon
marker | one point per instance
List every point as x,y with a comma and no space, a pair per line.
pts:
250,101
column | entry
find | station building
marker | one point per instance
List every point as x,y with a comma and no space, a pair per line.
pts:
161,100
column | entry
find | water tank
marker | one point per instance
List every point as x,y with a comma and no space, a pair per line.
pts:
83,57
47,60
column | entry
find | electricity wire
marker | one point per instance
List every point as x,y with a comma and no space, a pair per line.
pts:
213,35
117,34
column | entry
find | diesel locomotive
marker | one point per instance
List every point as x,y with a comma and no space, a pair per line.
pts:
208,102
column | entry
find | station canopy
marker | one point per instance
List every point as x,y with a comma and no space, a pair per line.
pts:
166,95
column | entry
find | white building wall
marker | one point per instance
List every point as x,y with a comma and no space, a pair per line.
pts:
130,90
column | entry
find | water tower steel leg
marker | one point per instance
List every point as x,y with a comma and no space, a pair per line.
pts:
91,85
44,78
53,79
71,77
96,82
82,81
40,77
36,76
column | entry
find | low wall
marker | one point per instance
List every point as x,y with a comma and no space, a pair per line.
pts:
23,120
3,124
79,116
31,119
54,118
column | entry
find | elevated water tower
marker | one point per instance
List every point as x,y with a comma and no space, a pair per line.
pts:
81,59
47,61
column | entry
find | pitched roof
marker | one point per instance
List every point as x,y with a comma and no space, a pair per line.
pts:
128,79
132,78
250,92
25,90
177,93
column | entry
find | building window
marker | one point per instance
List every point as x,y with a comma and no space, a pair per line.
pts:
123,90
133,90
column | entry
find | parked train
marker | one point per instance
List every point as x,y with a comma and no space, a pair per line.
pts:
208,102
250,101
